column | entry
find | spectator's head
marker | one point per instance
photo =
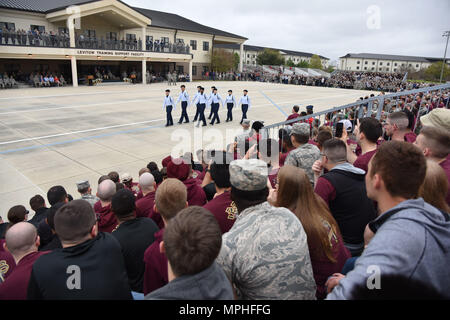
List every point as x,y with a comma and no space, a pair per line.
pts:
397,170
285,137
248,179
84,187
56,194
192,242
114,176
17,214
123,204
143,170
152,166
147,183
396,122
119,186
257,125
369,130
106,190
219,170
322,137
21,240
170,198
103,178
296,193
434,142
295,109
245,124
37,202
75,222
435,186
300,134
334,152
178,169
127,179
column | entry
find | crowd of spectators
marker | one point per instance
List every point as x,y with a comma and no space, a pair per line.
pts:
307,216
34,38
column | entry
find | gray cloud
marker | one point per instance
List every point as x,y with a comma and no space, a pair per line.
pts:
329,28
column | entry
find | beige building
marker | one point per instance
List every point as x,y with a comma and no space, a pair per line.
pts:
383,63
251,52
77,37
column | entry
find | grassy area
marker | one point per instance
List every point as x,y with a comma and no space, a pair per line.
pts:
424,81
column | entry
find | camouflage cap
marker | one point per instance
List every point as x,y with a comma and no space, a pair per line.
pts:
300,128
248,175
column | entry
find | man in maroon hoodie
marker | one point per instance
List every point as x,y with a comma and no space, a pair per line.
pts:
179,169
144,206
22,241
170,198
107,221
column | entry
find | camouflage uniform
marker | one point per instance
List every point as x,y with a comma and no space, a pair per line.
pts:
265,254
304,156
90,198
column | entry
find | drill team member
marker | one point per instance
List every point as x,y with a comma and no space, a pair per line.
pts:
245,102
231,102
184,98
168,105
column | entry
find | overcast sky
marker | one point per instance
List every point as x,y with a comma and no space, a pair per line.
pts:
329,28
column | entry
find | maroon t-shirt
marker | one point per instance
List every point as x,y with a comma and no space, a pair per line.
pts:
446,166
16,285
7,263
224,209
410,137
195,194
283,157
107,220
134,187
362,161
325,190
155,274
144,206
293,116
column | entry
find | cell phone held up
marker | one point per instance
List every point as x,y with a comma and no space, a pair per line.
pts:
339,129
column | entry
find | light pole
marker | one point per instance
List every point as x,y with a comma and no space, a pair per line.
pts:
446,34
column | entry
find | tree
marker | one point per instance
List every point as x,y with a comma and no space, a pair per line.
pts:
315,62
290,63
303,64
330,69
433,72
270,57
236,61
222,61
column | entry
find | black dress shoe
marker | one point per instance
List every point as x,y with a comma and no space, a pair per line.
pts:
204,125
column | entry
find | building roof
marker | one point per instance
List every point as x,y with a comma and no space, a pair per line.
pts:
258,49
174,21
389,57
159,19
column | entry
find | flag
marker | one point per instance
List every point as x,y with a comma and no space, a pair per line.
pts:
405,77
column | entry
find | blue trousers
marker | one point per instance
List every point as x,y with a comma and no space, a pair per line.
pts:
230,112
244,112
202,108
197,112
169,121
215,112
184,114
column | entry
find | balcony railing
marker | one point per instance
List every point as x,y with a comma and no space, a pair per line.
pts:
130,45
36,39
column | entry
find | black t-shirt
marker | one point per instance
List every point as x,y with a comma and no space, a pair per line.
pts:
135,236
92,270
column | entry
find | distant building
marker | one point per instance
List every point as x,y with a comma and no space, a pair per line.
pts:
251,52
384,62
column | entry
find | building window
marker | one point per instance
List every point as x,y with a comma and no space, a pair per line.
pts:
254,62
357,68
365,68
194,47
194,70
205,69
165,40
63,30
253,56
373,68
248,55
373,63
417,65
180,69
365,62
41,29
388,64
180,41
395,64
357,62
395,69
8,26
381,63
248,62
387,69
205,46
113,36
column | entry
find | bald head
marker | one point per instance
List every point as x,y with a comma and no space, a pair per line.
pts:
21,239
106,190
147,181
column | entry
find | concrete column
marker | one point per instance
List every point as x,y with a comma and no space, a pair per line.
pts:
241,56
74,71
71,27
144,71
144,34
190,70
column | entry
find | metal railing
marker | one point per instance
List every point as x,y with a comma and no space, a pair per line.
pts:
363,108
